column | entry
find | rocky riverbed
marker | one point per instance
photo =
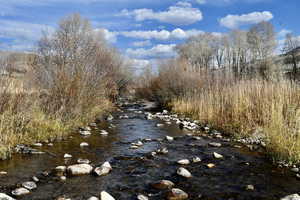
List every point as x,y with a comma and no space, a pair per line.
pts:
137,154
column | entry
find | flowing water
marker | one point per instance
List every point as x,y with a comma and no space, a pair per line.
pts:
135,170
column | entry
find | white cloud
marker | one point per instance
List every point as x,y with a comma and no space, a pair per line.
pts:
139,63
158,51
110,37
235,21
181,13
283,33
162,35
142,43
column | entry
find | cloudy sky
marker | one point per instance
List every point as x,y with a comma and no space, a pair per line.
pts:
143,30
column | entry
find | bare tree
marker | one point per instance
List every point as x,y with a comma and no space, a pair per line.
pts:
291,50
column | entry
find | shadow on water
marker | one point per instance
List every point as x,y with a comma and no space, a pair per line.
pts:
135,170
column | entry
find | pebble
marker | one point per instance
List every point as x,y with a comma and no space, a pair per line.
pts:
196,159
177,194
83,161
169,138
35,179
62,178
3,173
217,156
159,125
210,165
104,169
85,133
38,144
20,192
93,198
295,169
162,151
84,144
142,197
103,132
183,162
249,187
184,172
106,196
50,144
30,185
163,184
215,144
67,156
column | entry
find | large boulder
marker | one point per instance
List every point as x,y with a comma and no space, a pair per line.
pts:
105,196
79,169
291,197
5,197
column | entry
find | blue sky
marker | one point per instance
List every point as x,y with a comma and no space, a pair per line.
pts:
143,30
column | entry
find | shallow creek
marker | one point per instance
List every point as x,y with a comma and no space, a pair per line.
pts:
135,169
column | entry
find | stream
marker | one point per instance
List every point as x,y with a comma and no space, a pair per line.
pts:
134,170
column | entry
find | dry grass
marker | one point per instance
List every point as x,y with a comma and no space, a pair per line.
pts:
244,106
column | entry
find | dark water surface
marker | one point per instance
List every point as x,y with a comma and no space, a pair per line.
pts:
134,170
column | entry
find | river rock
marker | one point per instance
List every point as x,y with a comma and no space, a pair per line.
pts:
105,196
183,162
3,173
104,169
169,138
84,144
103,132
196,159
142,197
38,144
177,194
80,169
162,151
60,170
83,161
217,156
210,165
85,133
30,185
20,192
35,179
134,147
295,169
184,172
159,125
291,197
249,187
109,117
163,184
5,197
93,198
67,156
215,144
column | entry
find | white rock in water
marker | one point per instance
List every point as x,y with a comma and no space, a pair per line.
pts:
85,133
105,196
291,197
218,156
183,162
184,172
104,169
67,156
169,138
103,132
139,144
159,125
93,198
134,147
35,179
30,185
84,144
196,159
178,194
20,192
5,197
142,197
83,161
110,118
63,178
80,169
38,144
3,173
215,144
